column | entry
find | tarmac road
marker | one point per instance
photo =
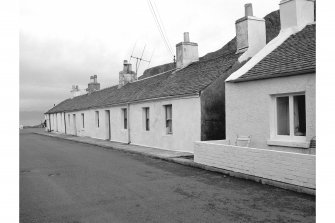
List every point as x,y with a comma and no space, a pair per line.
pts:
64,181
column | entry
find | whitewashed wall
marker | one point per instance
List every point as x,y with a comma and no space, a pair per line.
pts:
90,128
186,124
292,168
249,109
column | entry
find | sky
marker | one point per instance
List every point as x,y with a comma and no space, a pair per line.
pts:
64,42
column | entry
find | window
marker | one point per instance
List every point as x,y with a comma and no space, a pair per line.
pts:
83,119
290,121
146,119
69,119
168,119
97,124
124,117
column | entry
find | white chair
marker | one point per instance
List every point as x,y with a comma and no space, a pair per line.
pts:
245,139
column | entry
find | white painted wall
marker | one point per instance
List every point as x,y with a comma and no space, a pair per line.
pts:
90,128
186,124
249,109
293,168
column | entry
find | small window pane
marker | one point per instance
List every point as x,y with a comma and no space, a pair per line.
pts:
299,115
124,111
283,117
97,119
168,111
146,116
83,119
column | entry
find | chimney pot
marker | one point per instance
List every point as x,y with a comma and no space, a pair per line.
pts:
248,9
186,37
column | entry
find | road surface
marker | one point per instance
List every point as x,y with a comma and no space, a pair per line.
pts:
64,181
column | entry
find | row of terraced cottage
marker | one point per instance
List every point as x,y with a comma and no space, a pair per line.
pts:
248,107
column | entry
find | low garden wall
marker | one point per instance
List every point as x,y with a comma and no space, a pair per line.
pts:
292,168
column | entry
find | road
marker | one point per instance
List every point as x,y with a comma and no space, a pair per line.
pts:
64,181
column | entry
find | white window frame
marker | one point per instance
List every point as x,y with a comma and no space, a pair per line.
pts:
97,119
83,120
146,115
285,140
124,120
165,119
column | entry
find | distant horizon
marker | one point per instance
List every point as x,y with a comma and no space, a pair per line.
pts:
31,118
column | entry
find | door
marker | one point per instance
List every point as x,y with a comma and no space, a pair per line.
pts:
108,124
74,125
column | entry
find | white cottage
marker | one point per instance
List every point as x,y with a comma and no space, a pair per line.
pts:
270,108
272,97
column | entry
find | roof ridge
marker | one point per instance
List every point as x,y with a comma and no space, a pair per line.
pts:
153,75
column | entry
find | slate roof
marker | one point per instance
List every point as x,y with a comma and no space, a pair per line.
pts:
187,81
272,23
294,56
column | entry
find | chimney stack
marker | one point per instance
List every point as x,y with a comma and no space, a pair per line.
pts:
126,75
187,52
75,91
93,85
296,13
250,33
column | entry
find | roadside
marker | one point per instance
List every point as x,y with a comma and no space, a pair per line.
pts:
183,158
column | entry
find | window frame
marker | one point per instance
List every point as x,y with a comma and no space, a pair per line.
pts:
83,120
124,115
97,119
274,125
146,119
167,132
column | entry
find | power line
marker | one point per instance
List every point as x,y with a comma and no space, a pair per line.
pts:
164,31
159,27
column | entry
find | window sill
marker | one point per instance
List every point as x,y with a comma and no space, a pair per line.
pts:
296,144
168,134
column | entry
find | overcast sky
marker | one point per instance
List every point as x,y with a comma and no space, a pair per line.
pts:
64,42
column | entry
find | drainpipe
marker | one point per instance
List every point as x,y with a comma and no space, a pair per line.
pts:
64,123
49,123
128,122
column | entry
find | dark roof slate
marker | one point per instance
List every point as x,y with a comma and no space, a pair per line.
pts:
294,56
187,81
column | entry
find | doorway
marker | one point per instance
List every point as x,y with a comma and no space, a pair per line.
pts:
74,125
108,124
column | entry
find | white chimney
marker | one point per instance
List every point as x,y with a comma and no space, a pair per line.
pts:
187,52
296,13
126,75
250,33
75,91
